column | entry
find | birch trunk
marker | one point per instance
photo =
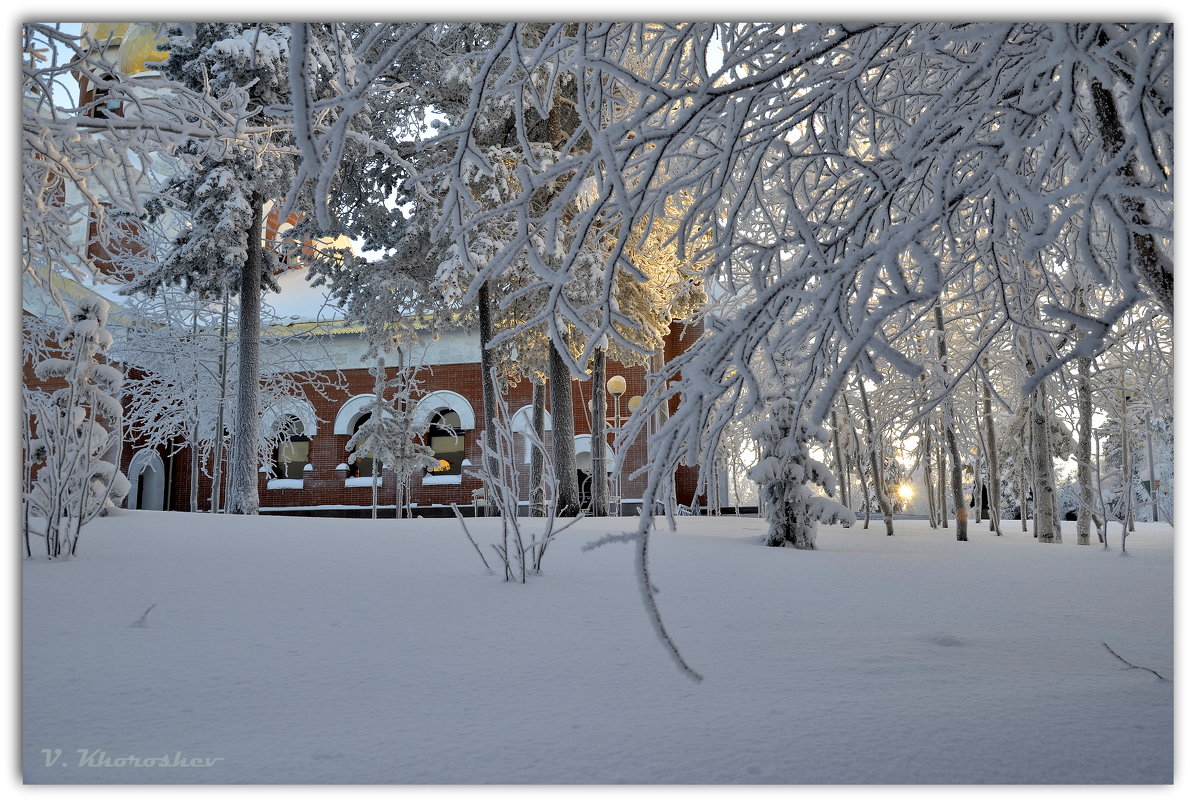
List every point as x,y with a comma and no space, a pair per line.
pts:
874,460
217,469
839,466
487,363
194,431
952,443
1126,466
599,435
943,512
994,482
1045,526
928,459
1086,496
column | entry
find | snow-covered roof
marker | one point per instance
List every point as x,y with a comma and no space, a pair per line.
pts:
299,301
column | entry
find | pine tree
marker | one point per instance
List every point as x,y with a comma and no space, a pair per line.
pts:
787,474
221,197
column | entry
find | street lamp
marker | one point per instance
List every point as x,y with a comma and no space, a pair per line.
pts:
616,386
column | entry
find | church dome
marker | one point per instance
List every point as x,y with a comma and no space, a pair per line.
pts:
104,33
129,45
140,47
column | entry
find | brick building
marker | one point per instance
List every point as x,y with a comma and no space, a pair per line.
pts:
310,474
310,471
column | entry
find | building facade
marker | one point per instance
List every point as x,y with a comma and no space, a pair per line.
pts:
310,471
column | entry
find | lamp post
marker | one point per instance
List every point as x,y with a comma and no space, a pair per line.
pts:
616,386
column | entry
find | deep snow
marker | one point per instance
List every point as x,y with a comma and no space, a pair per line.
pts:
314,650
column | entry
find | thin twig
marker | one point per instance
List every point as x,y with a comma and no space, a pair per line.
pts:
142,622
459,515
1130,665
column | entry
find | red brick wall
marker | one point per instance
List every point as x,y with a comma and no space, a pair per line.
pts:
323,485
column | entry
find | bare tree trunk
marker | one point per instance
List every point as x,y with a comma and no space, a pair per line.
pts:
839,459
927,461
599,435
562,401
859,467
1099,487
1086,497
877,468
1152,470
487,363
1045,527
1126,467
977,486
194,431
952,443
993,455
536,457
1024,487
217,469
244,491
194,466
849,477
943,512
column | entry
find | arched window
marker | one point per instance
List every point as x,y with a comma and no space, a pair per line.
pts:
292,454
445,437
445,417
348,418
522,423
583,465
365,465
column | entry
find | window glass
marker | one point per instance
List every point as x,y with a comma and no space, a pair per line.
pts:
446,440
365,465
292,453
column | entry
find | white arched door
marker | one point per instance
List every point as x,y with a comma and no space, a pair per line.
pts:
146,473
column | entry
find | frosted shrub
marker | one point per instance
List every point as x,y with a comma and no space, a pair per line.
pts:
520,552
70,483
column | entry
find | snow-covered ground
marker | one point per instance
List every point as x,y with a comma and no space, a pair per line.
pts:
303,650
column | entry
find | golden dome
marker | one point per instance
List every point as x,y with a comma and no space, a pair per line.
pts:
139,47
104,32
129,44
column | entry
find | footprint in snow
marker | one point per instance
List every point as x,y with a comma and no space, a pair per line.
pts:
946,640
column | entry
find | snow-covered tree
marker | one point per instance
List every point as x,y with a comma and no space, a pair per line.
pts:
835,183
222,198
72,430
86,174
182,392
788,474
387,435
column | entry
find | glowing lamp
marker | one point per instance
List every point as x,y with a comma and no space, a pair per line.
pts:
616,385
634,403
